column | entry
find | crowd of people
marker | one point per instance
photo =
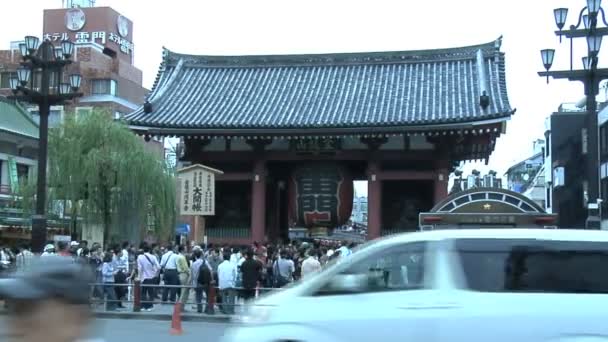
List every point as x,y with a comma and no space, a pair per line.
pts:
169,273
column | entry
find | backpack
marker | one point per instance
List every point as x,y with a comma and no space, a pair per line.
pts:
204,275
279,279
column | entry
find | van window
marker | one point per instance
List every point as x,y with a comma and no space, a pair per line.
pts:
522,265
396,268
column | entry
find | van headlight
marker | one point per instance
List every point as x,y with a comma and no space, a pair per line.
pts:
254,314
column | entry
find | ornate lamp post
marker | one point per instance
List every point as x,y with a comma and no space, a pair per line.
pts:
40,81
590,76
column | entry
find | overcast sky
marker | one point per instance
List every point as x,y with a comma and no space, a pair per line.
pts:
320,26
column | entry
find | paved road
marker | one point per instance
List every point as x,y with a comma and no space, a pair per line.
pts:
112,330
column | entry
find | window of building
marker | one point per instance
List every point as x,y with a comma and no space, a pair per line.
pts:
558,176
83,111
526,265
395,269
548,145
604,188
23,172
104,87
5,78
604,139
55,117
548,196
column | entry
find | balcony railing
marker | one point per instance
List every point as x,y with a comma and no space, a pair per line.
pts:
5,190
17,218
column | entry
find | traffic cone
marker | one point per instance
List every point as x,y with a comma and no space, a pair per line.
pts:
176,322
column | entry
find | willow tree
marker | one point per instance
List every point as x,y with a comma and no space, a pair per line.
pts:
110,178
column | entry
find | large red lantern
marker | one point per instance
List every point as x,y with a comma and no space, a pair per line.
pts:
320,196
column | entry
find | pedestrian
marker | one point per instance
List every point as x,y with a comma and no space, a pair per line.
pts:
226,274
121,268
170,276
148,272
48,302
197,254
183,271
310,265
49,250
24,258
108,273
206,282
283,269
63,249
251,270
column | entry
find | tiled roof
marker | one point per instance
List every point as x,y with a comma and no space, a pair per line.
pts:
15,119
347,90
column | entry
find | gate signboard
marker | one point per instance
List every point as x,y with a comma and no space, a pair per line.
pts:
197,190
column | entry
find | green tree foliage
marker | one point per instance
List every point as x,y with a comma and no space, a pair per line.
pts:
111,177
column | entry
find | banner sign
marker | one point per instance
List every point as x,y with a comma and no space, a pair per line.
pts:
12,170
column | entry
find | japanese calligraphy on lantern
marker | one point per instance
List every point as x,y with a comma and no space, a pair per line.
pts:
197,195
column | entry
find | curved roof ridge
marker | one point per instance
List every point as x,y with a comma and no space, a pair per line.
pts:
161,87
405,56
18,120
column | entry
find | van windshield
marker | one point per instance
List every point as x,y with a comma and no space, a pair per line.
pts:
525,265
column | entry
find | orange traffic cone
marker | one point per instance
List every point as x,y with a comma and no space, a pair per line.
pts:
176,322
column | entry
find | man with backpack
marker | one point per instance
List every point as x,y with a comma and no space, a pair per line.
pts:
205,282
283,270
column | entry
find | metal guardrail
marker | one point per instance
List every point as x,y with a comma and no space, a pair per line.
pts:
228,232
208,303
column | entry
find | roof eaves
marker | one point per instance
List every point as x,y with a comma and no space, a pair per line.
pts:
461,126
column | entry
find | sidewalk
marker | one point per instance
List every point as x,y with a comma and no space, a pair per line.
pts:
160,312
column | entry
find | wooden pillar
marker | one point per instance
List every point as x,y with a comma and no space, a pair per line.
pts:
374,201
441,185
258,202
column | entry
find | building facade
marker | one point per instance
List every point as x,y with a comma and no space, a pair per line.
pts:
565,170
103,56
528,176
291,133
18,148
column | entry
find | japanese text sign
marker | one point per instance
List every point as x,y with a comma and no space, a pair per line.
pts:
197,195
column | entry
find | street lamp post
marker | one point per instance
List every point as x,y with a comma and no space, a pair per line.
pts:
591,76
40,81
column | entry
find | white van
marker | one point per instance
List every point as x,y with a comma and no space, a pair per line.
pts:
448,285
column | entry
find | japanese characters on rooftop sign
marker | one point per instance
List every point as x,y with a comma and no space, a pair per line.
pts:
100,25
197,195
99,37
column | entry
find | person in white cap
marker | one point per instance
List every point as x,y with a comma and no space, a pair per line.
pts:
49,250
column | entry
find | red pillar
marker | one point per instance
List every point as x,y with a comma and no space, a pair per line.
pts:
441,185
374,201
258,201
